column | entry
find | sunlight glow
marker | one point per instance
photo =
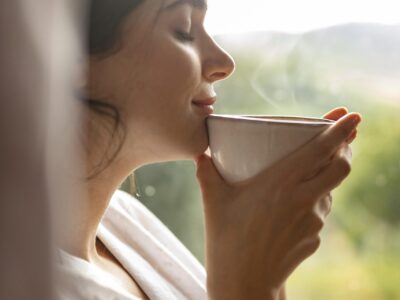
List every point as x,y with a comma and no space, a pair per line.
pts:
234,16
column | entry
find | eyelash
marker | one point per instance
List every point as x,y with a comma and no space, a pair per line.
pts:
184,36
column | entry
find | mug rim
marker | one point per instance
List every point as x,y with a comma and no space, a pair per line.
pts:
275,119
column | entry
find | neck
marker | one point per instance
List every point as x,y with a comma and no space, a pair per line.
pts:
80,218
77,220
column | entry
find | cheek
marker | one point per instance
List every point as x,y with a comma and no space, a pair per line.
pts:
160,96
171,79
179,69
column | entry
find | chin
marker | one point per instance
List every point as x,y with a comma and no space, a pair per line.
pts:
193,153
200,151
187,147
190,152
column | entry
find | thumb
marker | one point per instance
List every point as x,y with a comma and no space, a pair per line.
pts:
209,178
213,188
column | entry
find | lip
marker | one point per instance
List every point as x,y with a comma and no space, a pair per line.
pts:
205,105
207,101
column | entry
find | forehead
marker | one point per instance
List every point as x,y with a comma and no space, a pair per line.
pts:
149,14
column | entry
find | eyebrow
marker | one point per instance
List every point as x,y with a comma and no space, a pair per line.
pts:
201,4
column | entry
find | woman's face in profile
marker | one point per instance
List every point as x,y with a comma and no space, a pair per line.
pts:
165,63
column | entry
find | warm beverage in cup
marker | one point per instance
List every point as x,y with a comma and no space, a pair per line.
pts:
243,146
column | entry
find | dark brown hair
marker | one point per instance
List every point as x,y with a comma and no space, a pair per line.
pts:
104,21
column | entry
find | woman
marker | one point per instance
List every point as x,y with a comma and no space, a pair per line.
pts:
149,89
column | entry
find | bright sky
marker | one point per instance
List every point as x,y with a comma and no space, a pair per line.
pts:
233,16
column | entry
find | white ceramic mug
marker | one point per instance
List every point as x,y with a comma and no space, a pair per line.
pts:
243,146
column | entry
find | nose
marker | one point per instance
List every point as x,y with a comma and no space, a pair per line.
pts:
217,63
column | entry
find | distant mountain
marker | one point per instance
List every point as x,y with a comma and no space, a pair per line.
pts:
365,55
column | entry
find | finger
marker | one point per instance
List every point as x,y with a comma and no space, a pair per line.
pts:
334,137
336,113
319,151
208,176
307,224
352,137
328,179
299,253
344,152
323,206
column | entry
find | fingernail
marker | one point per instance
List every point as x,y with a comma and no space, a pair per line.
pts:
355,119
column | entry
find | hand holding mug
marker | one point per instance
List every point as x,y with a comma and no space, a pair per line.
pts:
259,230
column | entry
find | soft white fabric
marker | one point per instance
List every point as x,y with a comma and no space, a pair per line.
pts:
154,257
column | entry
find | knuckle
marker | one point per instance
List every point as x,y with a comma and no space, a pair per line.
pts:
344,167
324,206
328,208
313,245
317,223
316,243
328,198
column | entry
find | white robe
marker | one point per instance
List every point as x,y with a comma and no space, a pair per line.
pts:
153,256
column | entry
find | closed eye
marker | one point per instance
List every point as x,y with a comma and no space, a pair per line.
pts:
184,36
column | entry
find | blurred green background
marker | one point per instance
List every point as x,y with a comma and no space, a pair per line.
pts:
353,65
